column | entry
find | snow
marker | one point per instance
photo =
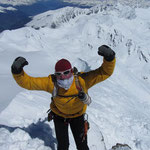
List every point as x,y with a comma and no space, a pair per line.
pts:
19,139
120,108
133,3
18,2
3,9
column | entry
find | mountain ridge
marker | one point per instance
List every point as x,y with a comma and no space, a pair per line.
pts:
114,35
131,3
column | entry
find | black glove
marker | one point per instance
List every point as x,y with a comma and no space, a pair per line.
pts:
85,98
107,52
18,65
82,96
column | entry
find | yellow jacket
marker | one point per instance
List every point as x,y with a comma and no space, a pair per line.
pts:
67,107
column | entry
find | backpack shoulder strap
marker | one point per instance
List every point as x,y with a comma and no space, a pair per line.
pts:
77,74
55,90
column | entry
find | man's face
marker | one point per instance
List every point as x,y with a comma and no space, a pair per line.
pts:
64,74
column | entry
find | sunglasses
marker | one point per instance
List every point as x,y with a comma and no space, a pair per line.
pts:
63,73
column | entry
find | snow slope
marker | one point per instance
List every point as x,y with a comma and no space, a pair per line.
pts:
120,109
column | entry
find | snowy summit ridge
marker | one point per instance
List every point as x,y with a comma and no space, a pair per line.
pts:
55,18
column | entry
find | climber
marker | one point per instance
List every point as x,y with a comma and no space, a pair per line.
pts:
70,98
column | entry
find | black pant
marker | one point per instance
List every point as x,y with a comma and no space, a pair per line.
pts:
77,128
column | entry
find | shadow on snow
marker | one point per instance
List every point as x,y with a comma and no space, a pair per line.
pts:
40,130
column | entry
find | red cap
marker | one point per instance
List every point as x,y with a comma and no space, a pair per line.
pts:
62,65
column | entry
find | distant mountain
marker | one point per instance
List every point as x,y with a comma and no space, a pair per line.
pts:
133,3
137,3
16,13
18,2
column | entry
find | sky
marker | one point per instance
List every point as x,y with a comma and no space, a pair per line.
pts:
120,108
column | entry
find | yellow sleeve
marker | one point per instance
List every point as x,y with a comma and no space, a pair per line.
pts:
102,73
34,83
